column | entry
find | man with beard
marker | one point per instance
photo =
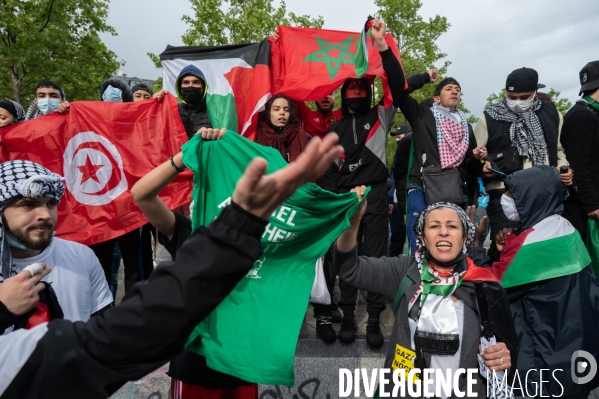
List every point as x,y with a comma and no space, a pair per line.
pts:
29,200
317,122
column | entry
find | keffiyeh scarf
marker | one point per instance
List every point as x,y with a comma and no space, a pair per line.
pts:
452,136
33,111
19,179
20,111
431,313
525,130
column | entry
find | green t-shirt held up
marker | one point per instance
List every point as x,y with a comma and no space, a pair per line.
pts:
253,333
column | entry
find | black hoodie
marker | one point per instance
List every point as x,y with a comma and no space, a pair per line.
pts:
364,135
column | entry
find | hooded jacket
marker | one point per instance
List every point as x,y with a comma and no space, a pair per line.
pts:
557,313
364,135
193,116
119,84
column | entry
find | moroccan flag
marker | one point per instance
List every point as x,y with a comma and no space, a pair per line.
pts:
102,149
551,248
238,80
308,64
253,333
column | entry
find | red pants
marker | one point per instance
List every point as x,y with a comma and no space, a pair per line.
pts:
183,390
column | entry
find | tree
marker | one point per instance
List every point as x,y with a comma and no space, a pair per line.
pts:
562,104
56,40
241,22
418,49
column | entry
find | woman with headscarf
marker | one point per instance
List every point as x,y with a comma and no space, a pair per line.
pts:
10,112
280,129
437,320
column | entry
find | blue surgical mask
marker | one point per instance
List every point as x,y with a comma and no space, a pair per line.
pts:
48,105
112,94
13,242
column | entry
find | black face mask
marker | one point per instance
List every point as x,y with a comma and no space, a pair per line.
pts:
358,105
192,95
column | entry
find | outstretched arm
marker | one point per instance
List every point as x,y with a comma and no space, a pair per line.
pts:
145,193
151,325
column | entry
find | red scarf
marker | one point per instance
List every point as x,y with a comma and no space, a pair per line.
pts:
290,142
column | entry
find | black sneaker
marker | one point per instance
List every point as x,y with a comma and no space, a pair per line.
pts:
324,329
336,316
374,336
348,329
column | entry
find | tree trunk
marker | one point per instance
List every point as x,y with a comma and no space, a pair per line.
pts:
16,84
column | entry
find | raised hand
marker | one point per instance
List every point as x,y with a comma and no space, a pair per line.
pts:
261,194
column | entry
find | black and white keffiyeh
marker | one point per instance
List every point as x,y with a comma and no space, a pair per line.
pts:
19,179
526,130
18,108
33,111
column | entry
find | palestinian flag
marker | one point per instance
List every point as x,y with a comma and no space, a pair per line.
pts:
551,248
308,64
238,78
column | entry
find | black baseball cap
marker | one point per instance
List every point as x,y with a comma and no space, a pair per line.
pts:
523,79
589,76
403,129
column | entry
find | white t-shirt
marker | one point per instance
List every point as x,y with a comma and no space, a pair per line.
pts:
76,277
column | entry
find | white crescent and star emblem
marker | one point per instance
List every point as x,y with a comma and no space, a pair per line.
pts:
93,169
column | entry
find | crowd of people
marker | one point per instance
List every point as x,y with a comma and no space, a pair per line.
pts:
530,170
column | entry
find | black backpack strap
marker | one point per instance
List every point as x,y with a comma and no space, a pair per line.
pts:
406,281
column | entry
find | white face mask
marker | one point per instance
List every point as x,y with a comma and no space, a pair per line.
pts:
520,106
509,208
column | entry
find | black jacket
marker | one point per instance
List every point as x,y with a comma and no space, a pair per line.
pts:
400,170
553,317
423,124
499,131
94,359
364,136
580,139
194,118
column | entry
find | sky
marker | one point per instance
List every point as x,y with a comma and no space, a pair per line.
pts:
486,41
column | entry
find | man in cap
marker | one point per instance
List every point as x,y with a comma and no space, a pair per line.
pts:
580,138
29,209
141,91
523,123
442,137
49,97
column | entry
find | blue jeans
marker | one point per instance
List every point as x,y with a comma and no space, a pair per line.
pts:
416,203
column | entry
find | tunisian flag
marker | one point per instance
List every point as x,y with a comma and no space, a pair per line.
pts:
102,149
308,64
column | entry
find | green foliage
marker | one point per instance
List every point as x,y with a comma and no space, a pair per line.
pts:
562,104
56,40
494,98
241,21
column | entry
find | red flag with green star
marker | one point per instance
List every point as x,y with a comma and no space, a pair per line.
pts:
308,64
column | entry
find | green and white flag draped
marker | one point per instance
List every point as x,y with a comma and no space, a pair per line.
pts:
253,333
